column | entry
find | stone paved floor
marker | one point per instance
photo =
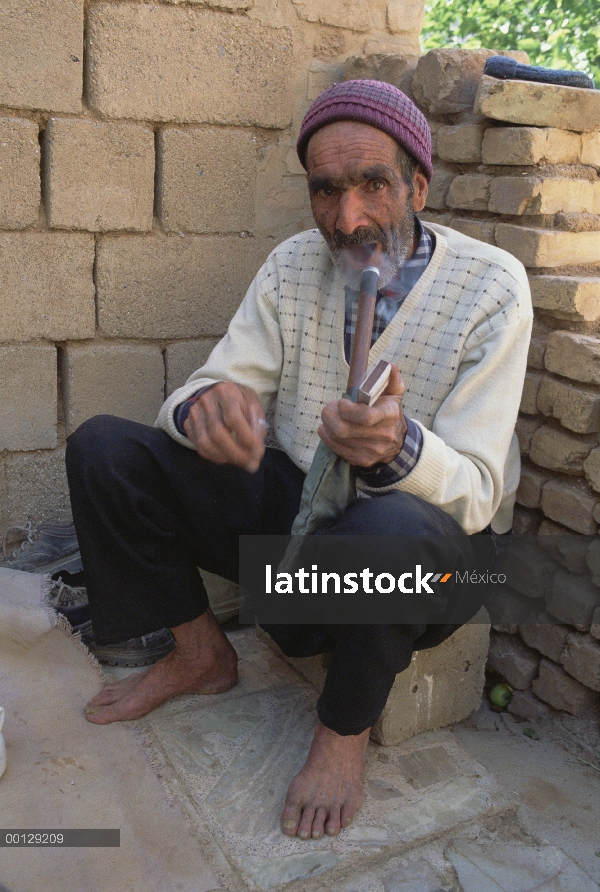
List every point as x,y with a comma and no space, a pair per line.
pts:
441,814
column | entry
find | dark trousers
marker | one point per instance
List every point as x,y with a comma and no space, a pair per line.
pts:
148,512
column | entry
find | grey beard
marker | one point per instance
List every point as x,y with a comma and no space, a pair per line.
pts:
396,248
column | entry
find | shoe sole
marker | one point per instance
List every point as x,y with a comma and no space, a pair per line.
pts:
130,661
70,563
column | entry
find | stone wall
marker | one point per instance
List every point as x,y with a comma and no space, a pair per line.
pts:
147,168
517,165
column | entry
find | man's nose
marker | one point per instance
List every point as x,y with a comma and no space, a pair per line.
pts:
351,213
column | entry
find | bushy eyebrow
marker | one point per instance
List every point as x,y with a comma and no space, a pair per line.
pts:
354,178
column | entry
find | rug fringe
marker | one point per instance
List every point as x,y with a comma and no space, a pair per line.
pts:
58,621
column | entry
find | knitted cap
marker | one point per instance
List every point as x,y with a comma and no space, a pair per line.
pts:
376,103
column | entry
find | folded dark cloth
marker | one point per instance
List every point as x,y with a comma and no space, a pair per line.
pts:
508,69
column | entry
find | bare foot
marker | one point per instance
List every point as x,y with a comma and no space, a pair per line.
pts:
327,793
203,662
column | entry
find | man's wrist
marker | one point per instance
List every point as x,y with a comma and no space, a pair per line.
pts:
182,411
386,474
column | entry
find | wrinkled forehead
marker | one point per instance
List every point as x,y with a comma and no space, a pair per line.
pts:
344,147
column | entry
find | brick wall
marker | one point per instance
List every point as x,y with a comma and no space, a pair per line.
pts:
517,165
147,168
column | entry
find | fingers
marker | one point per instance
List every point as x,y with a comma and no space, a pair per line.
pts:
226,425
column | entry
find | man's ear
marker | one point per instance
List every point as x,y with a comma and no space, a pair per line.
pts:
421,187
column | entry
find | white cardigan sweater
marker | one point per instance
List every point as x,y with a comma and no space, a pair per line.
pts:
460,340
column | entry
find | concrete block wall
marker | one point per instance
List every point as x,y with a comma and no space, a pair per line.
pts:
517,165
147,168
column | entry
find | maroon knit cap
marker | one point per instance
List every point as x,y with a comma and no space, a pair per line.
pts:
376,103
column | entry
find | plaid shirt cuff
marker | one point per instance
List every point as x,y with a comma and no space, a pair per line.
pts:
183,410
386,475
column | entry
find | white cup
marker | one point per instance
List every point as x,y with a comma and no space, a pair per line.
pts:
2,744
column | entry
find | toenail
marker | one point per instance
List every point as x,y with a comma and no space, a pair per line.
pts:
289,824
330,831
91,710
304,834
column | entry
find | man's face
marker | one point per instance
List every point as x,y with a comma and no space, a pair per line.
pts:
362,206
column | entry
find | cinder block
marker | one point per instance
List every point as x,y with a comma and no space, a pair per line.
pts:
574,356
460,143
572,599
206,180
173,287
530,145
163,63
590,149
525,429
441,686
340,14
41,54
528,568
37,489
483,230
439,186
513,660
581,659
560,450
567,297
538,343
561,691
184,357
113,379
576,407
46,286
470,192
570,503
529,492
402,17
446,80
531,386
541,105
19,173
546,247
536,195
100,175
27,397
549,638
591,466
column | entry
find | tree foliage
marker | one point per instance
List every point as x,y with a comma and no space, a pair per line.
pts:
555,33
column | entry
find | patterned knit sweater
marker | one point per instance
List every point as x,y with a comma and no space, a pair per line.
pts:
460,340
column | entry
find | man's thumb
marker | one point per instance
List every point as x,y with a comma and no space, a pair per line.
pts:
395,385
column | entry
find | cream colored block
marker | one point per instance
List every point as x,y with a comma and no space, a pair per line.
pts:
570,503
405,16
113,379
577,408
560,450
590,149
535,195
538,344
353,15
548,248
41,54
189,65
529,492
36,487
46,286
28,397
100,175
542,105
470,192
483,230
439,186
175,287
574,356
530,145
206,179
182,358
460,143
19,173
525,429
567,297
591,466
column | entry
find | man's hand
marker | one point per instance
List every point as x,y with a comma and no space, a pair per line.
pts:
365,435
227,426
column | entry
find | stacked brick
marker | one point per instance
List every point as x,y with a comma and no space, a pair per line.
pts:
517,165
137,201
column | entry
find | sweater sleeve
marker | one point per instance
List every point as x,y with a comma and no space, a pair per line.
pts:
251,352
462,462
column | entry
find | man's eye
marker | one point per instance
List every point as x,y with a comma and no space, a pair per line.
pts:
377,185
326,192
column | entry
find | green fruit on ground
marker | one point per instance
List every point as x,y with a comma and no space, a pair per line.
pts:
500,695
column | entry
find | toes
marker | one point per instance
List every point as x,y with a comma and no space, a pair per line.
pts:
106,696
318,826
306,822
290,818
333,823
349,809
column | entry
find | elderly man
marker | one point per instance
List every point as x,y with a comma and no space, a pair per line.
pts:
436,451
